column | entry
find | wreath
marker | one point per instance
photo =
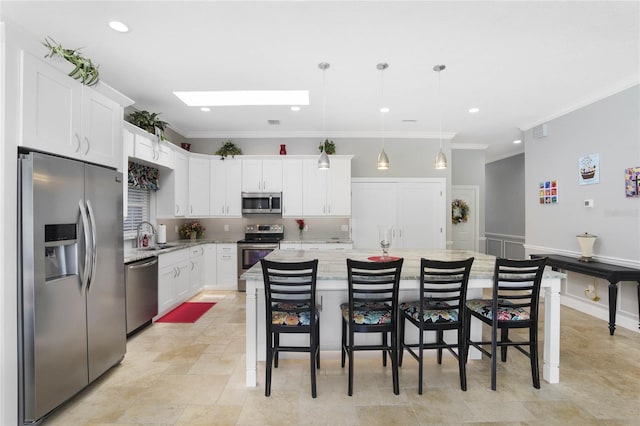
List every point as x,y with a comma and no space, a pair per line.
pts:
459,211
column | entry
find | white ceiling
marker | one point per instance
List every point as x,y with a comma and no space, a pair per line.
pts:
520,62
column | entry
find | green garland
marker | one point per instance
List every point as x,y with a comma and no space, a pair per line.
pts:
459,211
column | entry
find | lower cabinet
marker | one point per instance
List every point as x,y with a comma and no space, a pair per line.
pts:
227,267
173,279
196,259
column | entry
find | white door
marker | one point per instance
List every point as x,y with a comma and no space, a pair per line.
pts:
465,234
420,221
199,182
272,175
372,205
251,175
292,188
314,189
101,128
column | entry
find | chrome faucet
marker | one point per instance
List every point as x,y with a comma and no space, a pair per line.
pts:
139,228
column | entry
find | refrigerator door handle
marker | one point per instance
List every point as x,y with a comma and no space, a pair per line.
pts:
87,246
94,238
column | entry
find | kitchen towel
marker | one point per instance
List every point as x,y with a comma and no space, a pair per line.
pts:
162,234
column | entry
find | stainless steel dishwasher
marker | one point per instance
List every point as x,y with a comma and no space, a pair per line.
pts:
141,283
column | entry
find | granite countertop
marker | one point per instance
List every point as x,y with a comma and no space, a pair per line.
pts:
318,240
332,265
134,254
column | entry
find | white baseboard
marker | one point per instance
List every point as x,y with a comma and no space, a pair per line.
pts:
601,312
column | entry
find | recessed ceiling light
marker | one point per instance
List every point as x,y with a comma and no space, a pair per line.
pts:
118,26
205,109
295,108
474,110
244,97
517,141
384,109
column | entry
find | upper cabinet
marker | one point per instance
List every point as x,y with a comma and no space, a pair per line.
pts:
292,188
327,192
261,175
62,116
173,196
225,186
147,147
199,184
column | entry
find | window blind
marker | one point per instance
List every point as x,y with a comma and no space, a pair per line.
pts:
137,210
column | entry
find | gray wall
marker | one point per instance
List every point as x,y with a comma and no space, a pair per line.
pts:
610,127
505,219
505,196
408,157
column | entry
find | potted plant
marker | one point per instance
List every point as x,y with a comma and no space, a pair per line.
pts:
228,148
148,121
84,69
192,230
328,146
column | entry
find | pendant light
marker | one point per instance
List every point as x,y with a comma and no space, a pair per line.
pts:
323,160
441,159
383,160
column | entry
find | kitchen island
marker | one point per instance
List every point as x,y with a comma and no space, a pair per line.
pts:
332,290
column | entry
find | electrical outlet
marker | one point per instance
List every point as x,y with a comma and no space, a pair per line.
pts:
306,228
344,228
176,229
226,228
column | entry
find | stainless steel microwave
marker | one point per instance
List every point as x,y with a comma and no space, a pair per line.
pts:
262,202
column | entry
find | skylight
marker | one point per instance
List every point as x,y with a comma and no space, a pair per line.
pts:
244,97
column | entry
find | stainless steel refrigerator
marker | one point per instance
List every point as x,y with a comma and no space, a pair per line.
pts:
71,282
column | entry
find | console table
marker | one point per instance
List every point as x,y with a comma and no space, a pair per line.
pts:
607,271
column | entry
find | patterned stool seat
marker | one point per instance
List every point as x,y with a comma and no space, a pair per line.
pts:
484,308
368,313
290,314
432,311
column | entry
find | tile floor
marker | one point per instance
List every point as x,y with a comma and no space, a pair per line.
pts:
193,374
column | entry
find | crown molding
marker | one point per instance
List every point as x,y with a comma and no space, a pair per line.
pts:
624,85
316,134
469,146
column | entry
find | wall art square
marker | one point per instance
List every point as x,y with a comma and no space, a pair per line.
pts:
632,182
548,192
589,169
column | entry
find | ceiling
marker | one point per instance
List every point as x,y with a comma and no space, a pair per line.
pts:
522,62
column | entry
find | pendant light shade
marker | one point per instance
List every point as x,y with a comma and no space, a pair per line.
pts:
440,162
383,159
323,160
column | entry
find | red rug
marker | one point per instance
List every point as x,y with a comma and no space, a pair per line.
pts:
188,312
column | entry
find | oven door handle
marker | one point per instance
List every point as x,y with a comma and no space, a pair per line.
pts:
259,246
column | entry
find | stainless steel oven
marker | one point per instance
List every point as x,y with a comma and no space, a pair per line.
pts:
259,241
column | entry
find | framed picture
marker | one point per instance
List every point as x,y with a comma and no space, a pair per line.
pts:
589,169
548,192
632,182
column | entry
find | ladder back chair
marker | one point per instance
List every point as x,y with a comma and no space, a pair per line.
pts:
515,298
372,308
290,298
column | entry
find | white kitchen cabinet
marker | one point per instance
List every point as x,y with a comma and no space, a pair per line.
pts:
226,187
62,116
148,148
262,175
227,266
327,192
196,275
292,188
173,280
415,209
173,196
199,185
210,278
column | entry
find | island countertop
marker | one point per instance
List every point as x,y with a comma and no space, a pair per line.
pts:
332,264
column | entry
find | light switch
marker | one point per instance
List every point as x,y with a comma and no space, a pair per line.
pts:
344,228
226,228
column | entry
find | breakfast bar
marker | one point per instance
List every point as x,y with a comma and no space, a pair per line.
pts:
332,290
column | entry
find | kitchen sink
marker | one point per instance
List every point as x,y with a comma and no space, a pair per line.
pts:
159,247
